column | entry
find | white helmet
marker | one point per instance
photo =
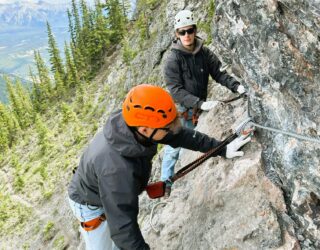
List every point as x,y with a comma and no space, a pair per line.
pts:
184,18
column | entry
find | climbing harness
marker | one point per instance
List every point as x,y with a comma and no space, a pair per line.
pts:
93,224
194,117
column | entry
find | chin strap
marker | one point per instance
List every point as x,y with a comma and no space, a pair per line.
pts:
146,141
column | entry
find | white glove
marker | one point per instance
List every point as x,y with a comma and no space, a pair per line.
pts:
206,106
241,89
232,147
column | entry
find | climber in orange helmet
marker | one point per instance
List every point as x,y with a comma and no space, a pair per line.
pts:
116,166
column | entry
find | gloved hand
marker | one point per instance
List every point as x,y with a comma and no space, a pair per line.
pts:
241,89
232,147
206,106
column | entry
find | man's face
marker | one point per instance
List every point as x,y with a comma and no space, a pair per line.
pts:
173,127
186,35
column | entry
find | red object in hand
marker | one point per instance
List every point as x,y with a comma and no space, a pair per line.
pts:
156,190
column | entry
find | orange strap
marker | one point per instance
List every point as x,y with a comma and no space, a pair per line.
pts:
93,224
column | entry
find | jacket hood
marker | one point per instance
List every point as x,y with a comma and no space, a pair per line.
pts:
121,138
177,45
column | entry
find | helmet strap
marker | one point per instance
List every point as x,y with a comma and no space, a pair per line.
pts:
142,139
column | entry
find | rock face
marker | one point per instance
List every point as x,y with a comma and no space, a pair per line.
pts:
224,204
274,46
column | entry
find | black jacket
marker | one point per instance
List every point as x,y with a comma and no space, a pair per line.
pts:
115,169
187,74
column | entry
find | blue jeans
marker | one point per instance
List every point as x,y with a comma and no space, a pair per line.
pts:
99,238
171,154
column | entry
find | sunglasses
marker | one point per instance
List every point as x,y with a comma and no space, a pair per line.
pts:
183,32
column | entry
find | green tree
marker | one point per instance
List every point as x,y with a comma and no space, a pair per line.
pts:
20,102
76,19
59,86
9,127
42,87
55,59
116,20
79,61
71,73
71,28
68,114
43,135
100,38
4,130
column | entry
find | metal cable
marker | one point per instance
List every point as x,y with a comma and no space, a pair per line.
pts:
295,135
292,134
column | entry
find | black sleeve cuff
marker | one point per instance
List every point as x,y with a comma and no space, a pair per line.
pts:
235,87
199,103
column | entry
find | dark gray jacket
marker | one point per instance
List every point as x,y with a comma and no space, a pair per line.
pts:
115,169
187,74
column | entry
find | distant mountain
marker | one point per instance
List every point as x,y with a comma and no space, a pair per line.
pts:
32,14
23,30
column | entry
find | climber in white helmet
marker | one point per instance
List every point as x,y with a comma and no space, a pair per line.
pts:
186,73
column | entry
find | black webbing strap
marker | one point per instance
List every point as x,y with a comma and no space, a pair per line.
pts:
191,166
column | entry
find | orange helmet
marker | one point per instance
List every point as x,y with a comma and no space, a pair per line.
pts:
148,105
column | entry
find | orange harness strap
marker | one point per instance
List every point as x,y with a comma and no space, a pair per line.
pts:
93,224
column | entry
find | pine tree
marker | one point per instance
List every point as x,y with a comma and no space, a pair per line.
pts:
68,114
43,135
42,87
77,24
85,14
126,7
100,37
20,104
71,28
116,19
24,95
60,88
55,59
71,74
35,91
79,61
11,125
4,129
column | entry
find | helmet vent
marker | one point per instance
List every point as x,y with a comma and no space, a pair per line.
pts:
149,108
137,106
163,113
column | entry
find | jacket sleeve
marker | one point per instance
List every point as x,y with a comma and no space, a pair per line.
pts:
194,140
223,78
174,81
119,190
